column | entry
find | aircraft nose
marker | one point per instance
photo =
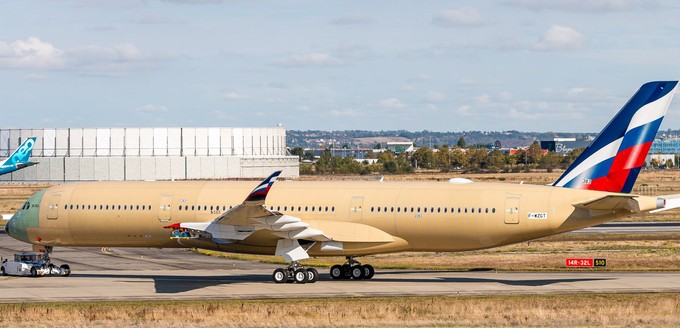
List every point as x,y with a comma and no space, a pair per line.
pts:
16,228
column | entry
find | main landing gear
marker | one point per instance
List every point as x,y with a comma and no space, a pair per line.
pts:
295,273
352,269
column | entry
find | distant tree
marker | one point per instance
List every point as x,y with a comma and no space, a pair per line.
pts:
461,142
459,158
535,153
477,157
495,160
424,158
297,151
550,160
572,156
309,156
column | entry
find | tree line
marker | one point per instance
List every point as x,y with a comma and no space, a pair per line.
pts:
444,158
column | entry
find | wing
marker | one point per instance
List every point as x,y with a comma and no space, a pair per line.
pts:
243,220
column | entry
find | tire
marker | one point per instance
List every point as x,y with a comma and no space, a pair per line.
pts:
368,270
346,271
300,276
280,276
357,272
312,275
34,272
3,271
65,270
336,272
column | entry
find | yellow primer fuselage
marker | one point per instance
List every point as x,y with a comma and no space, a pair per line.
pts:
419,216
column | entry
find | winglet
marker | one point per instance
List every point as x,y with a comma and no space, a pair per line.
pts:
260,192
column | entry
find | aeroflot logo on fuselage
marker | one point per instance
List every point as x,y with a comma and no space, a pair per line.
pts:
21,154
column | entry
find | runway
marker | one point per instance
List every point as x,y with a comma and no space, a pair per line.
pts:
177,274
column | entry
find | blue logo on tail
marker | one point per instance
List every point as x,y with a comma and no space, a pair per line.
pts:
23,153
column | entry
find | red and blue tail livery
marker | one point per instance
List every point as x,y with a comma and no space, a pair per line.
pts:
613,160
260,192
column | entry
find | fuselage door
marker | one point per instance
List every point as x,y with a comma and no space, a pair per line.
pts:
512,209
356,209
53,207
165,208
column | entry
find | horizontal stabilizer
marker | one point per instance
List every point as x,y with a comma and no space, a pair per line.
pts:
669,202
611,203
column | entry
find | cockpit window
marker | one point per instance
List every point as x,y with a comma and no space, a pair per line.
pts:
26,206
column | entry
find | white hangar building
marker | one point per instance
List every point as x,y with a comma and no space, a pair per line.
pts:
103,154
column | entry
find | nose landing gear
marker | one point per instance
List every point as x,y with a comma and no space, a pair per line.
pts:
352,269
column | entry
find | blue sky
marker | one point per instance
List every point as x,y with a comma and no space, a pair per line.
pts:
529,65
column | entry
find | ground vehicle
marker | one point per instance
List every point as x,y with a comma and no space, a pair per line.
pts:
33,265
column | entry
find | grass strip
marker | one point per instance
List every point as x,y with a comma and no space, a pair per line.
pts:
650,310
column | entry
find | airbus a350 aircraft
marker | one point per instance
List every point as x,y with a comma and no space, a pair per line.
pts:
297,220
19,158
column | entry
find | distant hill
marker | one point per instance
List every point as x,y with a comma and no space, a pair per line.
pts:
368,139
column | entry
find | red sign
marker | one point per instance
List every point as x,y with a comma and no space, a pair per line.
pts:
579,263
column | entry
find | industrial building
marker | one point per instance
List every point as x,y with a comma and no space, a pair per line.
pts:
103,154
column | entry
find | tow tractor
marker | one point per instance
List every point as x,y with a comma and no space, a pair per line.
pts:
33,265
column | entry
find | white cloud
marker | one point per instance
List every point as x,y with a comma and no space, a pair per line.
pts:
560,38
119,53
35,54
407,88
391,103
461,17
483,99
147,109
591,6
505,95
31,53
348,112
420,78
352,19
313,60
434,96
576,91
234,96
352,50
221,115
464,110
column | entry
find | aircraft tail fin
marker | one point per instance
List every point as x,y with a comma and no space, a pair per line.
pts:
22,154
613,160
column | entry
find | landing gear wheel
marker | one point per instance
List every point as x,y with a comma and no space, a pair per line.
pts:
280,276
3,271
300,276
336,272
65,270
368,271
352,269
312,275
34,272
357,272
346,271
